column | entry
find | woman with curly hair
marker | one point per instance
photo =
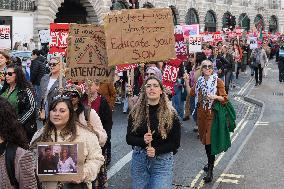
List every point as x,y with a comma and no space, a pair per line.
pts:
62,127
18,91
154,133
16,163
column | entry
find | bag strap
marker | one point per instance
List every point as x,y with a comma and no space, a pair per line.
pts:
10,155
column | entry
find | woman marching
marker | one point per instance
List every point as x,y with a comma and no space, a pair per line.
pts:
19,92
207,90
61,126
154,133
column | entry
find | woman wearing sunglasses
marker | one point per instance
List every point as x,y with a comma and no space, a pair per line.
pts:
4,61
61,126
154,132
49,85
19,92
207,89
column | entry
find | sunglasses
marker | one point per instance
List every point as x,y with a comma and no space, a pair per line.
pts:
208,67
72,95
52,64
9,73
64,97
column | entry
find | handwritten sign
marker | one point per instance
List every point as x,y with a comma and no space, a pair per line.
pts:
86,57
190,30
181,48
194,44
140,35
125,67
170,73
44,36
5,37
58,38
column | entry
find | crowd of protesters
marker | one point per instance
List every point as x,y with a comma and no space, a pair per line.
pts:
82,112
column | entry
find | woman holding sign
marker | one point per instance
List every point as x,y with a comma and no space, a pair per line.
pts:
62,127
154,133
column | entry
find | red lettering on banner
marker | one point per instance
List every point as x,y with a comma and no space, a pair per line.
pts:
58,34
125,67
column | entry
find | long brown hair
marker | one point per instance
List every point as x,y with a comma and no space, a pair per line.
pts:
165,112
49,127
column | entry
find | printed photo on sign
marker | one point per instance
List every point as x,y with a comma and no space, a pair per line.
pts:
57,159
194,44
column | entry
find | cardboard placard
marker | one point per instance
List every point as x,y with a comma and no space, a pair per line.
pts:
86,57
5,37
44,36
139,35
194,44
58,38
50,166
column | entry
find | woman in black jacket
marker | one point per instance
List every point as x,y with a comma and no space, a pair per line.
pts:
154,133
19,92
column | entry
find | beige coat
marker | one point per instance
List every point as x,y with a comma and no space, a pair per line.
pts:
92,154
96,124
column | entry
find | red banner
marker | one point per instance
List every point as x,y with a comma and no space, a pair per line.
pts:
217,36
170,73
181,47
125,67
58,34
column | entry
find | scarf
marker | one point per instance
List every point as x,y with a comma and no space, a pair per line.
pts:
206,88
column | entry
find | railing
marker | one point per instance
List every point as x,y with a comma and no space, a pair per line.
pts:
20,5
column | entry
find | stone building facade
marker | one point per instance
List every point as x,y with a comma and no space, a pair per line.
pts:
208,13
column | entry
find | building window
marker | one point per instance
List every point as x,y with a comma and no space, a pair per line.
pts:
210,22
273,24
192,17
258,22
175,14
244,21
229,2
274,4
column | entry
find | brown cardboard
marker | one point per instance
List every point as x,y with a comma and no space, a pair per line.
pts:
86,55
64,177
140,35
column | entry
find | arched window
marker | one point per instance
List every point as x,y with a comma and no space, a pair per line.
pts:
226,19
71,11
273,24
210,21
192,17
259,23
244,21
175,14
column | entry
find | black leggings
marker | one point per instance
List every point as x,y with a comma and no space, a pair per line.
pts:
211,158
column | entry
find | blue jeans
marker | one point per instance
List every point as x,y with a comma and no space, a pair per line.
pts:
151,173
178,103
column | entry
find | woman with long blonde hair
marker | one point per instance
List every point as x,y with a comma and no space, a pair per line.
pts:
154,133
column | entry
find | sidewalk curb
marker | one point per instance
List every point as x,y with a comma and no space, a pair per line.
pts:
257,102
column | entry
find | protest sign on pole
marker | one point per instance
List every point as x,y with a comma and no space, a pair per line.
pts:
140,35
170,73
44,36
208,38
58,38
194,44
253,42
86,55
190,30
5,37
181,48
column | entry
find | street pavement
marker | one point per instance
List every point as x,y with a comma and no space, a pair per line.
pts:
259,164
191,156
